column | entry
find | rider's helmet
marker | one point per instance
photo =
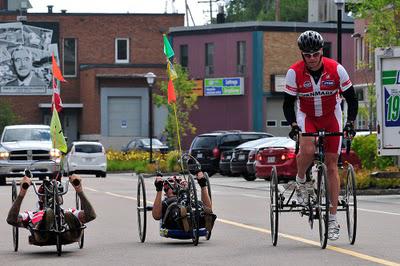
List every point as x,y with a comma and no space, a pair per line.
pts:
172,182
310,41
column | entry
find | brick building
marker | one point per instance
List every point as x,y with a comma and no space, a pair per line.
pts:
104,58
258,54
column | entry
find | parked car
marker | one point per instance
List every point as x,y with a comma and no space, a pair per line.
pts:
143,144
281,153
22,145
207,148
240,157
86,157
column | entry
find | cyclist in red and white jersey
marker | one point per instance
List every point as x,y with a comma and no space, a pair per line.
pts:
317,83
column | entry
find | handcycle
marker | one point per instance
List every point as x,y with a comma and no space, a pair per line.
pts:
318,204
186,196
51,194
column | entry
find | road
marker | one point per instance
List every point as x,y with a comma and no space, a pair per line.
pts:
241,234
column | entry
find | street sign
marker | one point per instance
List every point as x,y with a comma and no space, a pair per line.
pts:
387,79
224,86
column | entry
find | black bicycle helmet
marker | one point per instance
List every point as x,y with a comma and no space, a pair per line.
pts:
310,41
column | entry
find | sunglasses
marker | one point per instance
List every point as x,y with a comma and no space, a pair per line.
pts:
309,55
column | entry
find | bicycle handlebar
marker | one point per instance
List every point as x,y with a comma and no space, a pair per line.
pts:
323,133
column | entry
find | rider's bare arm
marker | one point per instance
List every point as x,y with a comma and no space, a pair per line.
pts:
88,213
157,205
13,217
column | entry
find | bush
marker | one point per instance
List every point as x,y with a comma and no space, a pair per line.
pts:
366,149
7,116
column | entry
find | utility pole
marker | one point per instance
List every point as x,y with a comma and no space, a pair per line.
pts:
209,2
277,10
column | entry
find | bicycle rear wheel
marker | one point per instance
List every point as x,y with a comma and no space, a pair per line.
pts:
274,206
323,205
351,204
15,229
58,216
208,236
194,210
141,208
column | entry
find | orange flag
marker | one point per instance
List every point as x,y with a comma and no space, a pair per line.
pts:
171,92
56,70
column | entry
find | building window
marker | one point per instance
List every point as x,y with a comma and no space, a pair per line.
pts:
69,57
209,59
241,57
284,123
271,123
122,50
359,52
184,53
360,94
327,49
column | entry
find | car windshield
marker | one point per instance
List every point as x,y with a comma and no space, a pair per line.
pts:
27,134
154,142
204,142
88,148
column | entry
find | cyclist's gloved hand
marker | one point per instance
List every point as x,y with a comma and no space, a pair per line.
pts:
194,168
158,183
348,130
294,133
201,179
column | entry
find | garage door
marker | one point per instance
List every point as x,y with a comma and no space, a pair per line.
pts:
124,116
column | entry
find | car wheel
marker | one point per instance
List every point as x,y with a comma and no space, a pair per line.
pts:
103,174
249,177
2,181
98,175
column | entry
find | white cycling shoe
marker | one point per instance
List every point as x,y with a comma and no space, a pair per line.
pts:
333,230
301,193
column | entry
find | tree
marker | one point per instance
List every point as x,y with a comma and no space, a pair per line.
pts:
264,10
383,21
185,102
7,115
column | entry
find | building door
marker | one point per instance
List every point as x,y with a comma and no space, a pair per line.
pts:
124,116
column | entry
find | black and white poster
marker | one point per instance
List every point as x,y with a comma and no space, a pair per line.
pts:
25,59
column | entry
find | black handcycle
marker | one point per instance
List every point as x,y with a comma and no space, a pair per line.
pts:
317,207
50,193
186,196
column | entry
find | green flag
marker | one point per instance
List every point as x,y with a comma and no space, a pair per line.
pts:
167,47
56,132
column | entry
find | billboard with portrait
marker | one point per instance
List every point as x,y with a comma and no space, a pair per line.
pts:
25,59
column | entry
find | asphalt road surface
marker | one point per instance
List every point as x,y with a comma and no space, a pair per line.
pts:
241,234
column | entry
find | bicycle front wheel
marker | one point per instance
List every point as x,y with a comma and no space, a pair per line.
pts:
141,208
351,204
323,205
15,229
273,207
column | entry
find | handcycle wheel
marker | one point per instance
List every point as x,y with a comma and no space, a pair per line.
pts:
15,229
141,208
274,206
194,210
351,204
323,205
208,236
79,207
58,218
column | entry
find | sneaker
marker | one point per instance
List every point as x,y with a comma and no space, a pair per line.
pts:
184,218
301,193
333,230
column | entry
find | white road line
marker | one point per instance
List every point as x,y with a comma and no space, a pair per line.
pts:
381,212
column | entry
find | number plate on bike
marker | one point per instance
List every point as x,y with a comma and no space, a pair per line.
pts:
271,159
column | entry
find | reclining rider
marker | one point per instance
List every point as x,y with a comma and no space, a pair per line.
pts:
172,212
39,222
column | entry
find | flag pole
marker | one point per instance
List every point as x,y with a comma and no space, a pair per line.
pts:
178,133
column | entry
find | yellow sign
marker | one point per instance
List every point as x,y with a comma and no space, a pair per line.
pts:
198,87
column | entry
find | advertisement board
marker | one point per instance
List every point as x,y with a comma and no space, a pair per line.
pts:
387,74
224,86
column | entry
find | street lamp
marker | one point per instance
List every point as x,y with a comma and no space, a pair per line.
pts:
339,4
150,78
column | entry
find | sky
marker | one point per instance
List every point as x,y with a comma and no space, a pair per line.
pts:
131,6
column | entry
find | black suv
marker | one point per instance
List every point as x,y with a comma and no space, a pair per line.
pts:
207,148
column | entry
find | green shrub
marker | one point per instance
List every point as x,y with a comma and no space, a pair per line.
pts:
119,165
366,149
173,161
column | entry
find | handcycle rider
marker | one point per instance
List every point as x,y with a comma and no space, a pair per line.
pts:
317,83
172,212
42,220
